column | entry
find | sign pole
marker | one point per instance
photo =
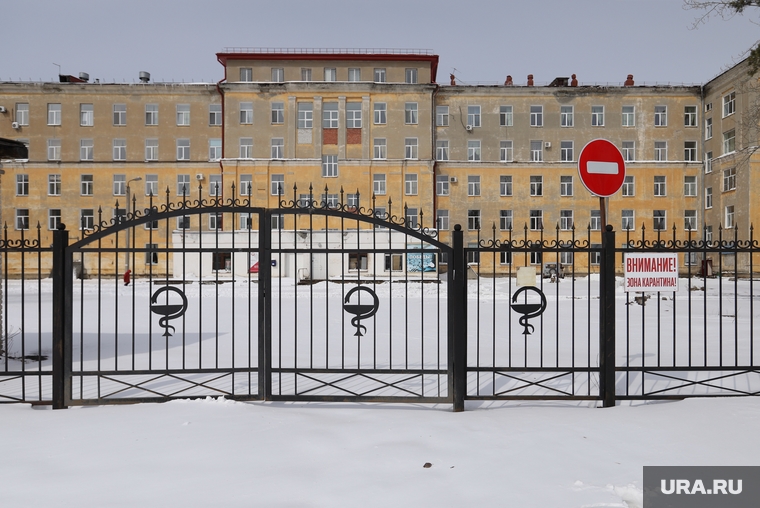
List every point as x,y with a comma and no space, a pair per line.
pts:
603,211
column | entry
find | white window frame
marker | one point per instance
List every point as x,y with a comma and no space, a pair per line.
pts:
473,220
536,185
708,197
305,115
245,148
22,185
214,149
473,116
380,113
505,185
379,75
629,186
86,115
536,150
536,116
442,116
690,151
277,148
86,149
353,115
565,185
661,150
183,115
566,114
22,113
86,185
660,186
278,113
565,220
277,184
410,113
151,114
330,166
410,184
441,149
151,149
597,116
729,179
330,115
411,76
729,104
119,185
183,185
54,184
506,116
628,220
730,216
473,150
708,128
629,151
379,184
690,186
566,151
215,185
214,114
22,219
380,149
690,220
442,185
628,116
536,219
119,149
729,141
473,185
54,114
442,220
659,220
506,220
183,149
354,74
411,148
660,116
246,113
690,116
278,75
151,185
54,149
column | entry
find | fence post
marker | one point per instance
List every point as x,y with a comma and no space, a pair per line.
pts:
458,318
607,319
265,305
61,353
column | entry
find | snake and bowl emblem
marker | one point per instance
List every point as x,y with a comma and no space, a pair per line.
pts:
359,310
528,310
168,310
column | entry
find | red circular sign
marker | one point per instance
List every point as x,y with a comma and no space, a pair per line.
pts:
601,167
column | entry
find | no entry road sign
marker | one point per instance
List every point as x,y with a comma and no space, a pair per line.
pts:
601,168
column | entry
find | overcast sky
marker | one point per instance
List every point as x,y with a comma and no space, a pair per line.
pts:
479,40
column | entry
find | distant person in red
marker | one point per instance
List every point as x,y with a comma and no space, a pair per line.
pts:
127,275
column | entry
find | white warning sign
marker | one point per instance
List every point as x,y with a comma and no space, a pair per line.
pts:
651,272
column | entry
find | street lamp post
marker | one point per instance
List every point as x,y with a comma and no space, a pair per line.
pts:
129,198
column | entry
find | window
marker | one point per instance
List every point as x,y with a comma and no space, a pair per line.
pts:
277,148
86,185
505,258
54,114
629,150
658,220
354,74
689,185
566,116
330,74
330,166
505,185
473,150
278,75
215,114
277,185
536,220
565,185
86,115
151,114
473,185
729,141
660,116
351,200
378,184
215,185
119,149
410,76
54,149
473,256
660,150
380,149
151,149
22,185
246,74
183,185
246,185
379,75
54,185
442,220
330,115
151,185
536,151
246,113
22,113
357,261
410,113
628,220
659,186
708,129
708,234
151,253
708,197
473,220
566,258
536,116
305,115
505,116
473,116
22,218
729,179
353,115
690,220
394,262
245,221
595,223
380,109
410,184
215,221
410,148
690,151
305,74
595,256
690,116
729,216
566,151
441,149
86,219
246,148
506,153
183,114
183,222
505,220
442,116
119,185
690,258
54,218
214,149
708,162
565,220
629,186
183,149
86,150
278,112
729,104
536,185
411,217
442,185
597,116
629,116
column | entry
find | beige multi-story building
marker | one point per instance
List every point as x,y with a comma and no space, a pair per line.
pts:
374,129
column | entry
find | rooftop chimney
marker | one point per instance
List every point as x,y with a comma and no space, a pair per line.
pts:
84,76
144,77
629,81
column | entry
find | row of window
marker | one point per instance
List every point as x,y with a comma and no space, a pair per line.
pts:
87,114
119,149
379,74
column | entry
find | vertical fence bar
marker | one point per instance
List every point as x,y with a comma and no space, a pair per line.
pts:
265,305
607,319
60,304
458,320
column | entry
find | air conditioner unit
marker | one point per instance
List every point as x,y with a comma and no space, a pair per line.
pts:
468,128
453,179
15,125
2,109
547,144
199,176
